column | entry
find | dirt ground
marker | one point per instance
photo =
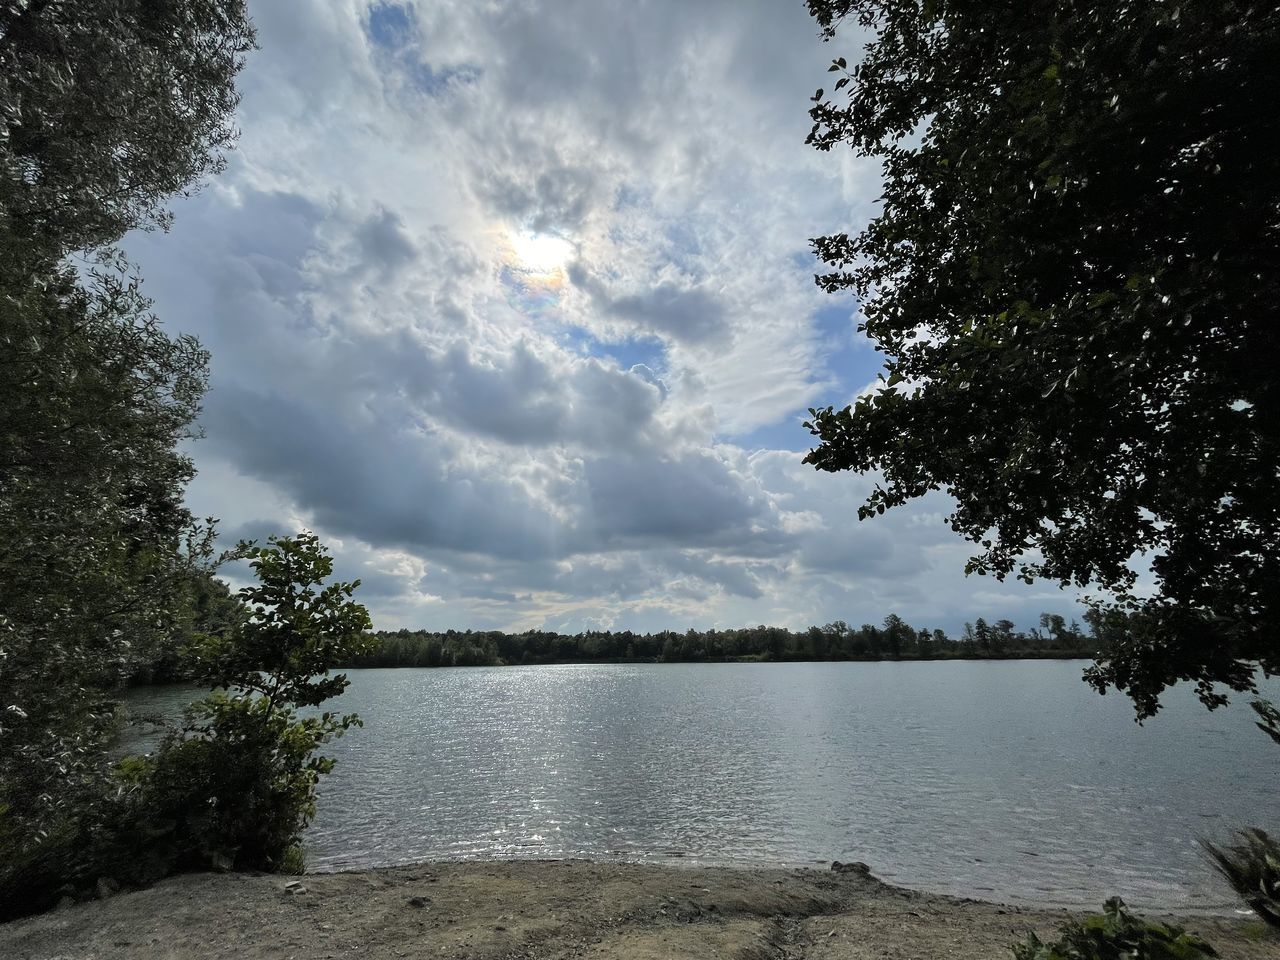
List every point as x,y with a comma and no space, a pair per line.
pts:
551,910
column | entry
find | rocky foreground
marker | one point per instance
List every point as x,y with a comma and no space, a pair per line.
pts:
550,909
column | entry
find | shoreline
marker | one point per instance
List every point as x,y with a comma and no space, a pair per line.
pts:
1229,908
657,661
555,909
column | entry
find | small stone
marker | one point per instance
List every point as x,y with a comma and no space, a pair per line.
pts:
296,890
687,911
293,883
419,901
857,866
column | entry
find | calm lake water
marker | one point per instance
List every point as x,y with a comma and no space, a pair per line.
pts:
1002,780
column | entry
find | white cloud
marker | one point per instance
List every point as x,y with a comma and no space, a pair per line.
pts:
470,428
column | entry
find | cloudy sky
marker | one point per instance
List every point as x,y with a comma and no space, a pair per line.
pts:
511,301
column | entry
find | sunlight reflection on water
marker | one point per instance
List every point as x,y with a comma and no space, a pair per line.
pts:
1007,780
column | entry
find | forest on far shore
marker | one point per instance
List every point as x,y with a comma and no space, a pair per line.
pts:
215,609
895,639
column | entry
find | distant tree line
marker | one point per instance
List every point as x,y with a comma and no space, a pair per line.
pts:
894,639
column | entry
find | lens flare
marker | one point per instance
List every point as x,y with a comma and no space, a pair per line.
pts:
533,271
540,252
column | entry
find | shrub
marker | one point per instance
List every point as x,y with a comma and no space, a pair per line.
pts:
1252,867
1268,718
295,861
1115,935
236,786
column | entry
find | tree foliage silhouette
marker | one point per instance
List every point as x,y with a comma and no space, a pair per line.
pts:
1072,279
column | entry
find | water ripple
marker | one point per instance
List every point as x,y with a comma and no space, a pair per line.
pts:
1009,780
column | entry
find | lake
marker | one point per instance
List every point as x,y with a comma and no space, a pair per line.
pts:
1007,780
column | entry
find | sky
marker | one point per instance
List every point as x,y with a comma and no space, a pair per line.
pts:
512,303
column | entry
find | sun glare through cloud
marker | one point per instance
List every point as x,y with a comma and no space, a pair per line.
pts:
614,327
533,271
540,253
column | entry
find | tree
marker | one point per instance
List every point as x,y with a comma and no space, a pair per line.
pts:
98,548
109,109
1072,280
896,634
237,786
982,635
1002,637
209,607
106,110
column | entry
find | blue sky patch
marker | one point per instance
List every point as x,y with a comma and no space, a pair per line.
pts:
787,434
435,82
626,353
848,355
390,25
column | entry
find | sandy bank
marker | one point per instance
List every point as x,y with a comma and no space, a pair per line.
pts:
550,909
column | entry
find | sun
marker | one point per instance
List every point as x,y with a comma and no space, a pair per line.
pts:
540,252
